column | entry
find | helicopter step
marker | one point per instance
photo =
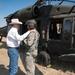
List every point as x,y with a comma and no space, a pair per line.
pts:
68,57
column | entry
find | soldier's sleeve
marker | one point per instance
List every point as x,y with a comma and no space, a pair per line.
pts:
31,38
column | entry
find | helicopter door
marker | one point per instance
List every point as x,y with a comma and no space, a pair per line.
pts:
67,32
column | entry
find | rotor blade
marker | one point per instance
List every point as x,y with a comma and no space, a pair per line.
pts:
69,1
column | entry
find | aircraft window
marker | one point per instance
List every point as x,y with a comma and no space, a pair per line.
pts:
67,30
55,30
68,24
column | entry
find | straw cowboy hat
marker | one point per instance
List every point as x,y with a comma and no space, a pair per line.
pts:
15,21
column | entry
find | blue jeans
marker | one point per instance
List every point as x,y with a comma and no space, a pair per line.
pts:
13,66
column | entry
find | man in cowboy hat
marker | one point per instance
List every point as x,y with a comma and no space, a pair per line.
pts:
13,42
31,47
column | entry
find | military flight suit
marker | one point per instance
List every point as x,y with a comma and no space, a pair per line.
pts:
31,50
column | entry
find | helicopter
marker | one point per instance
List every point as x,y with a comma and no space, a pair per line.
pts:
3,32
56,25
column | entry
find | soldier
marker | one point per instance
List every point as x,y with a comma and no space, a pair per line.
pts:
31,46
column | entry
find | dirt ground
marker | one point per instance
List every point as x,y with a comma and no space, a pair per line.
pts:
57,68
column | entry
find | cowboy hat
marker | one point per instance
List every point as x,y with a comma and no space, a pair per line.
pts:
15,21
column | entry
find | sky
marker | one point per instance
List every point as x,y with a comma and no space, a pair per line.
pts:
10,6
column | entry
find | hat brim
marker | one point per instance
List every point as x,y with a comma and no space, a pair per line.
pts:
16,23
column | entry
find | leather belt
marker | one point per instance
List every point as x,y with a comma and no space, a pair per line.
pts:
14,47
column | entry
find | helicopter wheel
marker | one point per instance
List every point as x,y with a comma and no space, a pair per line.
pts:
44,58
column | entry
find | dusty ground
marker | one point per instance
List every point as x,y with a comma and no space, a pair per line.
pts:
62,68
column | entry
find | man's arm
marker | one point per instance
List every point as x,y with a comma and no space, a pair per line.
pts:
31,38
21,37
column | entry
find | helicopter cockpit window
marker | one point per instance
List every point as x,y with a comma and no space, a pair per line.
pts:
55,31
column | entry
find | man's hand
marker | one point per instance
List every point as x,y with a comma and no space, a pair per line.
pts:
32,30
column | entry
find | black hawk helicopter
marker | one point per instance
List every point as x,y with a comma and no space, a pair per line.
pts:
56,25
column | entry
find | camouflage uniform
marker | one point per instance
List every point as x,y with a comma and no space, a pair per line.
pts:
31,46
